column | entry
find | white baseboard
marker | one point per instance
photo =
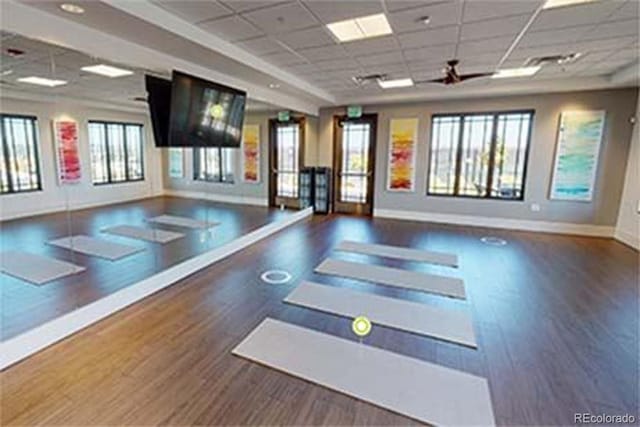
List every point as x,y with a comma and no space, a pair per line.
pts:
21,346
627,238
42,210
217,197
505,223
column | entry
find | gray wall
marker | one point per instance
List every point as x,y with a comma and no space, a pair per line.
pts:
620,105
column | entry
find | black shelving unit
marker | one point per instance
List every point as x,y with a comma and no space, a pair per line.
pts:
307,187
322,202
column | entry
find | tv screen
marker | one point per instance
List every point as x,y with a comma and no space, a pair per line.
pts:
205,114
159,99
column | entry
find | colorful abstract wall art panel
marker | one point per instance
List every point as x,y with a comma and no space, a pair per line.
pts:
402,154
577,150
251,153
68,156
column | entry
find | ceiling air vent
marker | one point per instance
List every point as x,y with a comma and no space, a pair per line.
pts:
552,59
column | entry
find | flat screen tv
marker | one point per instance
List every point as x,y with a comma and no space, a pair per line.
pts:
205,114
159,99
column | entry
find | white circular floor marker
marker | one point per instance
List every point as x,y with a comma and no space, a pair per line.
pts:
275,277
495,241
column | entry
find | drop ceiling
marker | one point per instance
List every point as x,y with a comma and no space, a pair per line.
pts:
292,37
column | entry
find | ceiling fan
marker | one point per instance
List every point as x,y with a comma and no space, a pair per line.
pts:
451,75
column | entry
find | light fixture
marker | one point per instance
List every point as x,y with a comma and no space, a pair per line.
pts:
550,4
72,8
426,20
274,86
6,73
360,28
516,72
392,84
107,70
42,81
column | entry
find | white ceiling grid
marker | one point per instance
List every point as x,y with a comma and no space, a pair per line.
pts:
292,35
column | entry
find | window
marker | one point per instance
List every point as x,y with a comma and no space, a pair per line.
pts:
287,159
213,164
479,155
354,177
116,152
19,167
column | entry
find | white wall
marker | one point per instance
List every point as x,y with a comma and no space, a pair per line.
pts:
628,226
54,197
236,192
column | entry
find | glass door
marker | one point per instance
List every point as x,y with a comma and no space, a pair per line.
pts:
285,162
354,151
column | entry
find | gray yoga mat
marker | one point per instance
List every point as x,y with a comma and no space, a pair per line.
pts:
446,324
420,390
141,233
95,247
38,269
183,221
442,285
397,252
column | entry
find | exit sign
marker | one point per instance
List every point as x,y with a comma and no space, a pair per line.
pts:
354,111
284,116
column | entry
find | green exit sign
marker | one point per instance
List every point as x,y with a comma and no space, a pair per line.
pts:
284,116
354,111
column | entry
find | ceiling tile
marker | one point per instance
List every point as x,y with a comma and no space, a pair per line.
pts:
566,35
432,54
332,11
232,28
195,11
478,10
494,44
261,45
629,27
324,53
611,43
630,8
284,58
441,14
569,16
381,58
508,26
337,64
371,46
247,5
437,36
281,18
311,37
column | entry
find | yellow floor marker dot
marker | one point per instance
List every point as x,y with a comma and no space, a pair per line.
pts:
361,326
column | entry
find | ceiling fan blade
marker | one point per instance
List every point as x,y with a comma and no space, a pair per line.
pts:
464,77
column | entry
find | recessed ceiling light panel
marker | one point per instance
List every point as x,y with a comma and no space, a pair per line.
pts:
392,84
550,4
72,8
107,70
42,81
360,28
516,72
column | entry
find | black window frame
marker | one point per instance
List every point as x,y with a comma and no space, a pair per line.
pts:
5,152
220,177
490,167
127,179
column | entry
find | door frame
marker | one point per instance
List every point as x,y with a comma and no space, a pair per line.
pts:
274,200
372,120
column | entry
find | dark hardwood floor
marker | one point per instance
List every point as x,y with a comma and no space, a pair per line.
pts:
25,305
556,319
